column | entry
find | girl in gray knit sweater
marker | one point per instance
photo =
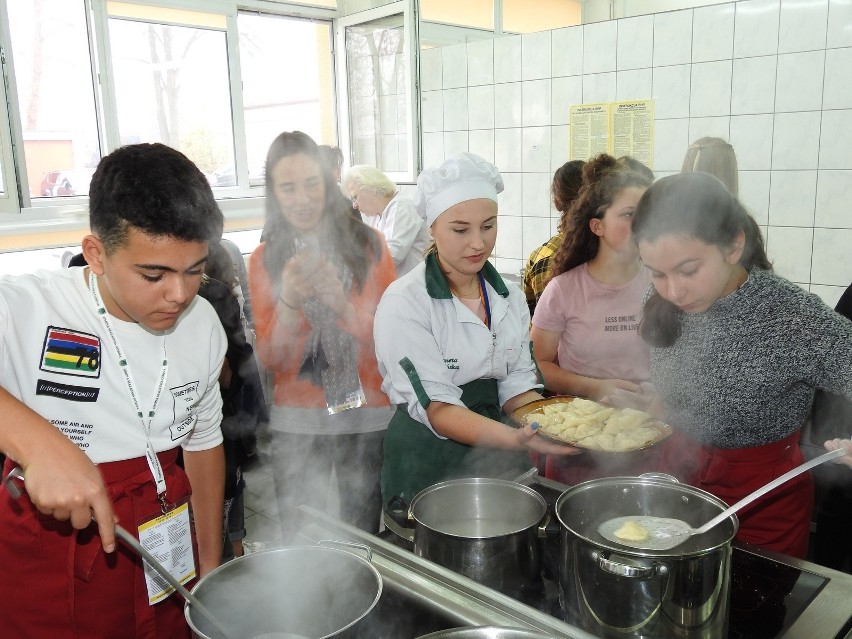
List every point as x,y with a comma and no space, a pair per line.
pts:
736,354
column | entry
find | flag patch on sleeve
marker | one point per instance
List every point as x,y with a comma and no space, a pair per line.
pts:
70,352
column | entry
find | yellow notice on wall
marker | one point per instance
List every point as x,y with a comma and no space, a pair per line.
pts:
632,130
617,128
589,130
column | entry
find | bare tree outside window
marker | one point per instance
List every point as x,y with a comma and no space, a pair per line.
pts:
56,97
376,69
171,86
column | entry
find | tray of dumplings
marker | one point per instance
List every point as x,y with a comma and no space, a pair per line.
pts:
583,423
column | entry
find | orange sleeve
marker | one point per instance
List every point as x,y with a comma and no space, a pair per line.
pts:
379,278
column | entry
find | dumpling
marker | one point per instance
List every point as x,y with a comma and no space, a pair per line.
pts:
631,531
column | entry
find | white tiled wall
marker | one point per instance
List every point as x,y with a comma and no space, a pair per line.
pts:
774,77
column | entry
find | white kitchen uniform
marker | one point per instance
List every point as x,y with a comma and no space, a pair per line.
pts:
405,231
420,320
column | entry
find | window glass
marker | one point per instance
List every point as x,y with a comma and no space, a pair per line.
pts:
377,81
56,97
171,86
287,82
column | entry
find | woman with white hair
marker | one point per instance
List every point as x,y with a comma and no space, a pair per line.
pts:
385,209
452,344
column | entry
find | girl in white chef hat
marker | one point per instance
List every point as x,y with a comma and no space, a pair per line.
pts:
452,343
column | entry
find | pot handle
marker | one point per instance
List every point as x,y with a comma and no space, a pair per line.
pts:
662,476
545,529
633,572
349,544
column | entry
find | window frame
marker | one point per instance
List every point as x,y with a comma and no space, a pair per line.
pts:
410,15
10,197
241,204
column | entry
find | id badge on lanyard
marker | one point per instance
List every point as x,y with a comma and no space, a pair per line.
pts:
169,538
166,535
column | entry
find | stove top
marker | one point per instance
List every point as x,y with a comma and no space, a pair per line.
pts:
768,595
772,596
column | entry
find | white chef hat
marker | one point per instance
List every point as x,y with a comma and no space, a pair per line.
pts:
462,177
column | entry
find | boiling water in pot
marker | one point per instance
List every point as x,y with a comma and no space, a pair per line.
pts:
490,527
664,533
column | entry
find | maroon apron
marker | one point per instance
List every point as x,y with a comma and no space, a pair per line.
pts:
573,469
58,582
778,521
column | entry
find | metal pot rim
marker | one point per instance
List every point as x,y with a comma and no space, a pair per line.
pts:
483,481
642,481
485,632
300,550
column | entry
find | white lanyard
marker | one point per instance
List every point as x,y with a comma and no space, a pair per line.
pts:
124,365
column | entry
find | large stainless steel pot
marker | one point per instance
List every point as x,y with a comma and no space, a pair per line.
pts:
614,591
484,529
485,632
309,592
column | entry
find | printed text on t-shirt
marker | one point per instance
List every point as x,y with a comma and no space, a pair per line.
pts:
618,323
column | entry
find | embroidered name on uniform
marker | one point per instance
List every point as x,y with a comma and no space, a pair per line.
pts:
452,363
63,391
70,352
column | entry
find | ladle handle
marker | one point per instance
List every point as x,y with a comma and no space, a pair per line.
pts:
760,492
122,533
131,541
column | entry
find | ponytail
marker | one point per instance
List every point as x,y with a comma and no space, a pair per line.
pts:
660,323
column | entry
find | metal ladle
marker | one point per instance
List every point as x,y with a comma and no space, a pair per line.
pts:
665,533
130,540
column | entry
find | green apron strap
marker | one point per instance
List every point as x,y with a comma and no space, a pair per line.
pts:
414,458
538,376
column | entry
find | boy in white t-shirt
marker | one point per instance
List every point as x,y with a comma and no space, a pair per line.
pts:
108,370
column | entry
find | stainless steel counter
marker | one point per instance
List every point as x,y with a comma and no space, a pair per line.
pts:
457,601
461,601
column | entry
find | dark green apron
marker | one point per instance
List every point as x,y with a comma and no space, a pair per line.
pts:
414,458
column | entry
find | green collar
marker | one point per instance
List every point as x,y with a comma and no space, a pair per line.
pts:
438,288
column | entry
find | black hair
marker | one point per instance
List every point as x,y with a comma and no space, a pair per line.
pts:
220,265
344,235
331,155
155,189
699,206
567,180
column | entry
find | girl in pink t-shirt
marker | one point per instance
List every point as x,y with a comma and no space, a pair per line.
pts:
584,331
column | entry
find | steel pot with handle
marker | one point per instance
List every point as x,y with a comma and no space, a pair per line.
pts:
613,591
485,529
295,592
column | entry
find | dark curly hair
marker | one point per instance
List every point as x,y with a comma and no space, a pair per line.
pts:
604,178
567,180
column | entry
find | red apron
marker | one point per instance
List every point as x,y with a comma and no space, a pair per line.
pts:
57,582
778,521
